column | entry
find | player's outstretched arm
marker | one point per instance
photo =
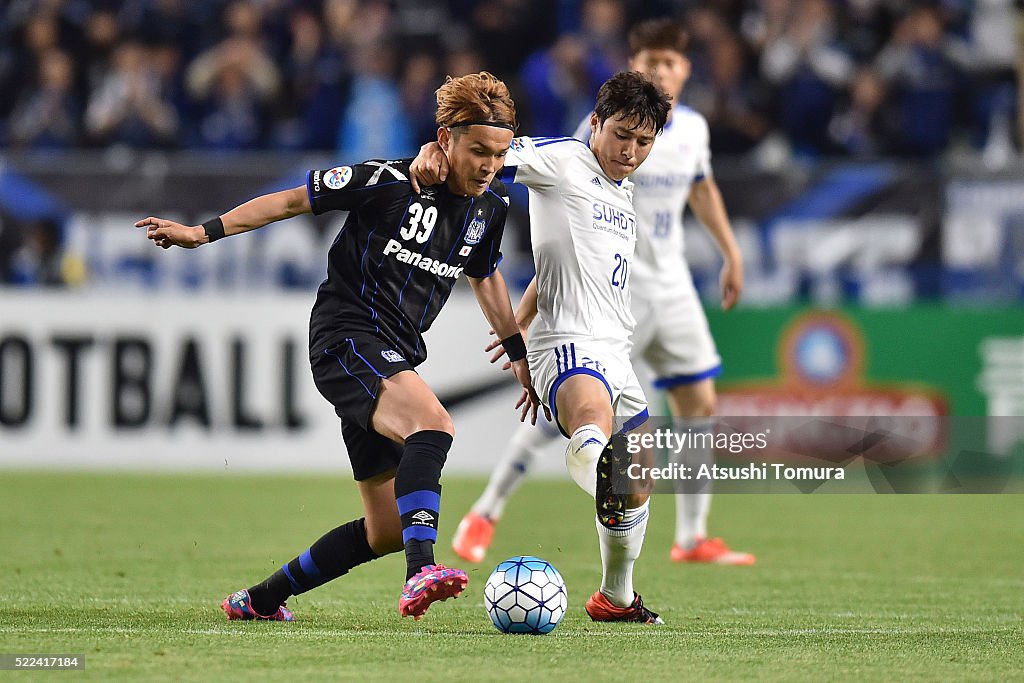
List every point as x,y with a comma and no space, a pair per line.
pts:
492,295
253,214
525,314
706,202
430,167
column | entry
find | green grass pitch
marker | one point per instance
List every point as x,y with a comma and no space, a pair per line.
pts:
129,570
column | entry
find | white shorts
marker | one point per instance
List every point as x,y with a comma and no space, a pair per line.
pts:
672,336
550,367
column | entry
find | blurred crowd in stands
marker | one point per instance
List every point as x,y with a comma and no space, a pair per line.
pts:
849,78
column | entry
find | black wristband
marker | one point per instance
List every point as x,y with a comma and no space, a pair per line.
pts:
214,228
514,347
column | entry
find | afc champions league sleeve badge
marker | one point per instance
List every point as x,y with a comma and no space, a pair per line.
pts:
338,177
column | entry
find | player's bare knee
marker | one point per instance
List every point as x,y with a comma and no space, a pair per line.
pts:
707,407
708,404
437,420
429,419
448,426
588,415
688,402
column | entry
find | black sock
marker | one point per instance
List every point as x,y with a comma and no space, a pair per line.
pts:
266,596
418,554
418,495
333,555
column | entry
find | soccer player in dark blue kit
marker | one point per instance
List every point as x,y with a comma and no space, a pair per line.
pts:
390,270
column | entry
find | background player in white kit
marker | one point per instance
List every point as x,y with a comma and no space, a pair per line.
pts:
583,229
672,333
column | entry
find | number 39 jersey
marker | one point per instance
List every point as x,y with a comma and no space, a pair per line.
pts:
394,262
583,230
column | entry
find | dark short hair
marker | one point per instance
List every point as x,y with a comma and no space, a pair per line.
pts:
632,96
658,34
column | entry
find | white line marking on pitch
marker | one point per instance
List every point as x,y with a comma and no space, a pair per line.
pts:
378,633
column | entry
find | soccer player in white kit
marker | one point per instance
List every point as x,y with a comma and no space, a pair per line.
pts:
672,334
583,229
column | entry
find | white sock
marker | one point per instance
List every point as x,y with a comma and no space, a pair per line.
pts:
692,518
581,456
692,507
527,441
619,549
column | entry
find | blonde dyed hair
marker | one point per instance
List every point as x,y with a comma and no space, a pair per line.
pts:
475,97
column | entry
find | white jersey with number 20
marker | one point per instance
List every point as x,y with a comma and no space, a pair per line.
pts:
680,157
583,229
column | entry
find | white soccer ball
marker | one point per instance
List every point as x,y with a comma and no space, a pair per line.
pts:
525,594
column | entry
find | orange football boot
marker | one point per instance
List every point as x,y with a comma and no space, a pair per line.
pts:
710,551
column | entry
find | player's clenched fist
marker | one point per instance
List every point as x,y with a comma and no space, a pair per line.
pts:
166,234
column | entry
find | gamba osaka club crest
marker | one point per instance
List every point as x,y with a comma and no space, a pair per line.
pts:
338,177
475,231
